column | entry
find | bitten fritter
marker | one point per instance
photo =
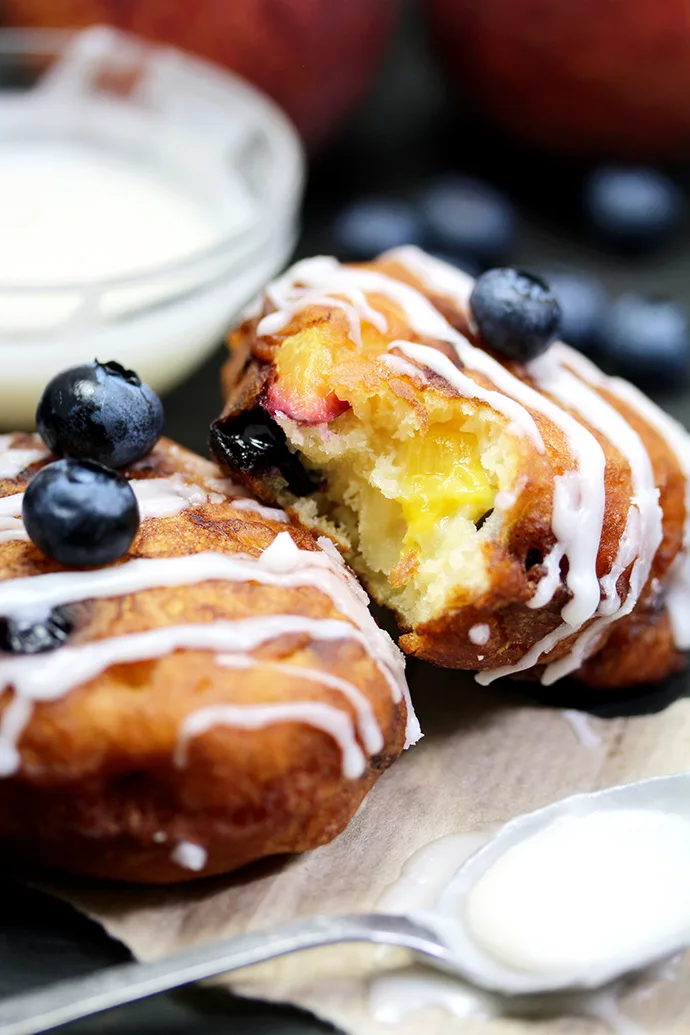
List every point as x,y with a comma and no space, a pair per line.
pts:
517,517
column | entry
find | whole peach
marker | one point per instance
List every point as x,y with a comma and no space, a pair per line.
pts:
591,77
314,57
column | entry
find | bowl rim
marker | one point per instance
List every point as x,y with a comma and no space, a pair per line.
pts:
281,205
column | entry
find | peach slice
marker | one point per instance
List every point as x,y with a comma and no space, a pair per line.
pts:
302,389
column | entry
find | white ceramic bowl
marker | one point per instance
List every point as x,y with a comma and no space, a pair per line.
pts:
174,114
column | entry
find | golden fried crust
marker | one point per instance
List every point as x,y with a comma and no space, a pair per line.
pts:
515,557
98,791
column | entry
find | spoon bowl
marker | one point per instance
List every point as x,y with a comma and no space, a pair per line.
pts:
669,795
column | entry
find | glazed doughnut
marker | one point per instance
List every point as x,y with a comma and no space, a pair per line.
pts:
519,518
220,694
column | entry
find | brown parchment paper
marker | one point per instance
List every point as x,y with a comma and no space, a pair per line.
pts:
486,757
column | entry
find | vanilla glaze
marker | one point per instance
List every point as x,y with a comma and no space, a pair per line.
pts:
13,459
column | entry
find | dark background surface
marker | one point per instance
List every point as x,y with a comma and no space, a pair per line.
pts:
407,131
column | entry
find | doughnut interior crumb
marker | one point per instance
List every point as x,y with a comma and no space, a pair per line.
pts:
409,473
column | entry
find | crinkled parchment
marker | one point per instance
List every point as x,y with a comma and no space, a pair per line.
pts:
485,758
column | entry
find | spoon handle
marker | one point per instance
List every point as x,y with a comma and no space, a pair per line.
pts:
42,1010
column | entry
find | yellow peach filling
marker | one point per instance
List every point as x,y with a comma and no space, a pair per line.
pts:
441,476
409,475
303,365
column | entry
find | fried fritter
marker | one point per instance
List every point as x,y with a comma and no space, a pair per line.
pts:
222,694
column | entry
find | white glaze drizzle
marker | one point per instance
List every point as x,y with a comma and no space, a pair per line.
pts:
13,459
281,564
35,595
269,513
429,870
289,299
33,680
396,659
11,524
582,727
227,487
157,497
367,726
399,365
164,497
71,666
434,360
642,534
333,721
479,634
15,719
507,498
435,273
677,439
643,530
189,856
396,995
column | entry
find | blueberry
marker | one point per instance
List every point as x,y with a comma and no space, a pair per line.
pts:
468,217
647,340
634,208
583,305
516,313
80,513
27,636
254,444
102,412
372,225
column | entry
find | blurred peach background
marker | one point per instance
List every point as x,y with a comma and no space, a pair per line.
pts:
595,78
316,58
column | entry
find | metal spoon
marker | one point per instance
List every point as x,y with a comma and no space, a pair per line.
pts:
452,952
69,1000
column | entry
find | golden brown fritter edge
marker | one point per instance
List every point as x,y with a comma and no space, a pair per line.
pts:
638,650
98,793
